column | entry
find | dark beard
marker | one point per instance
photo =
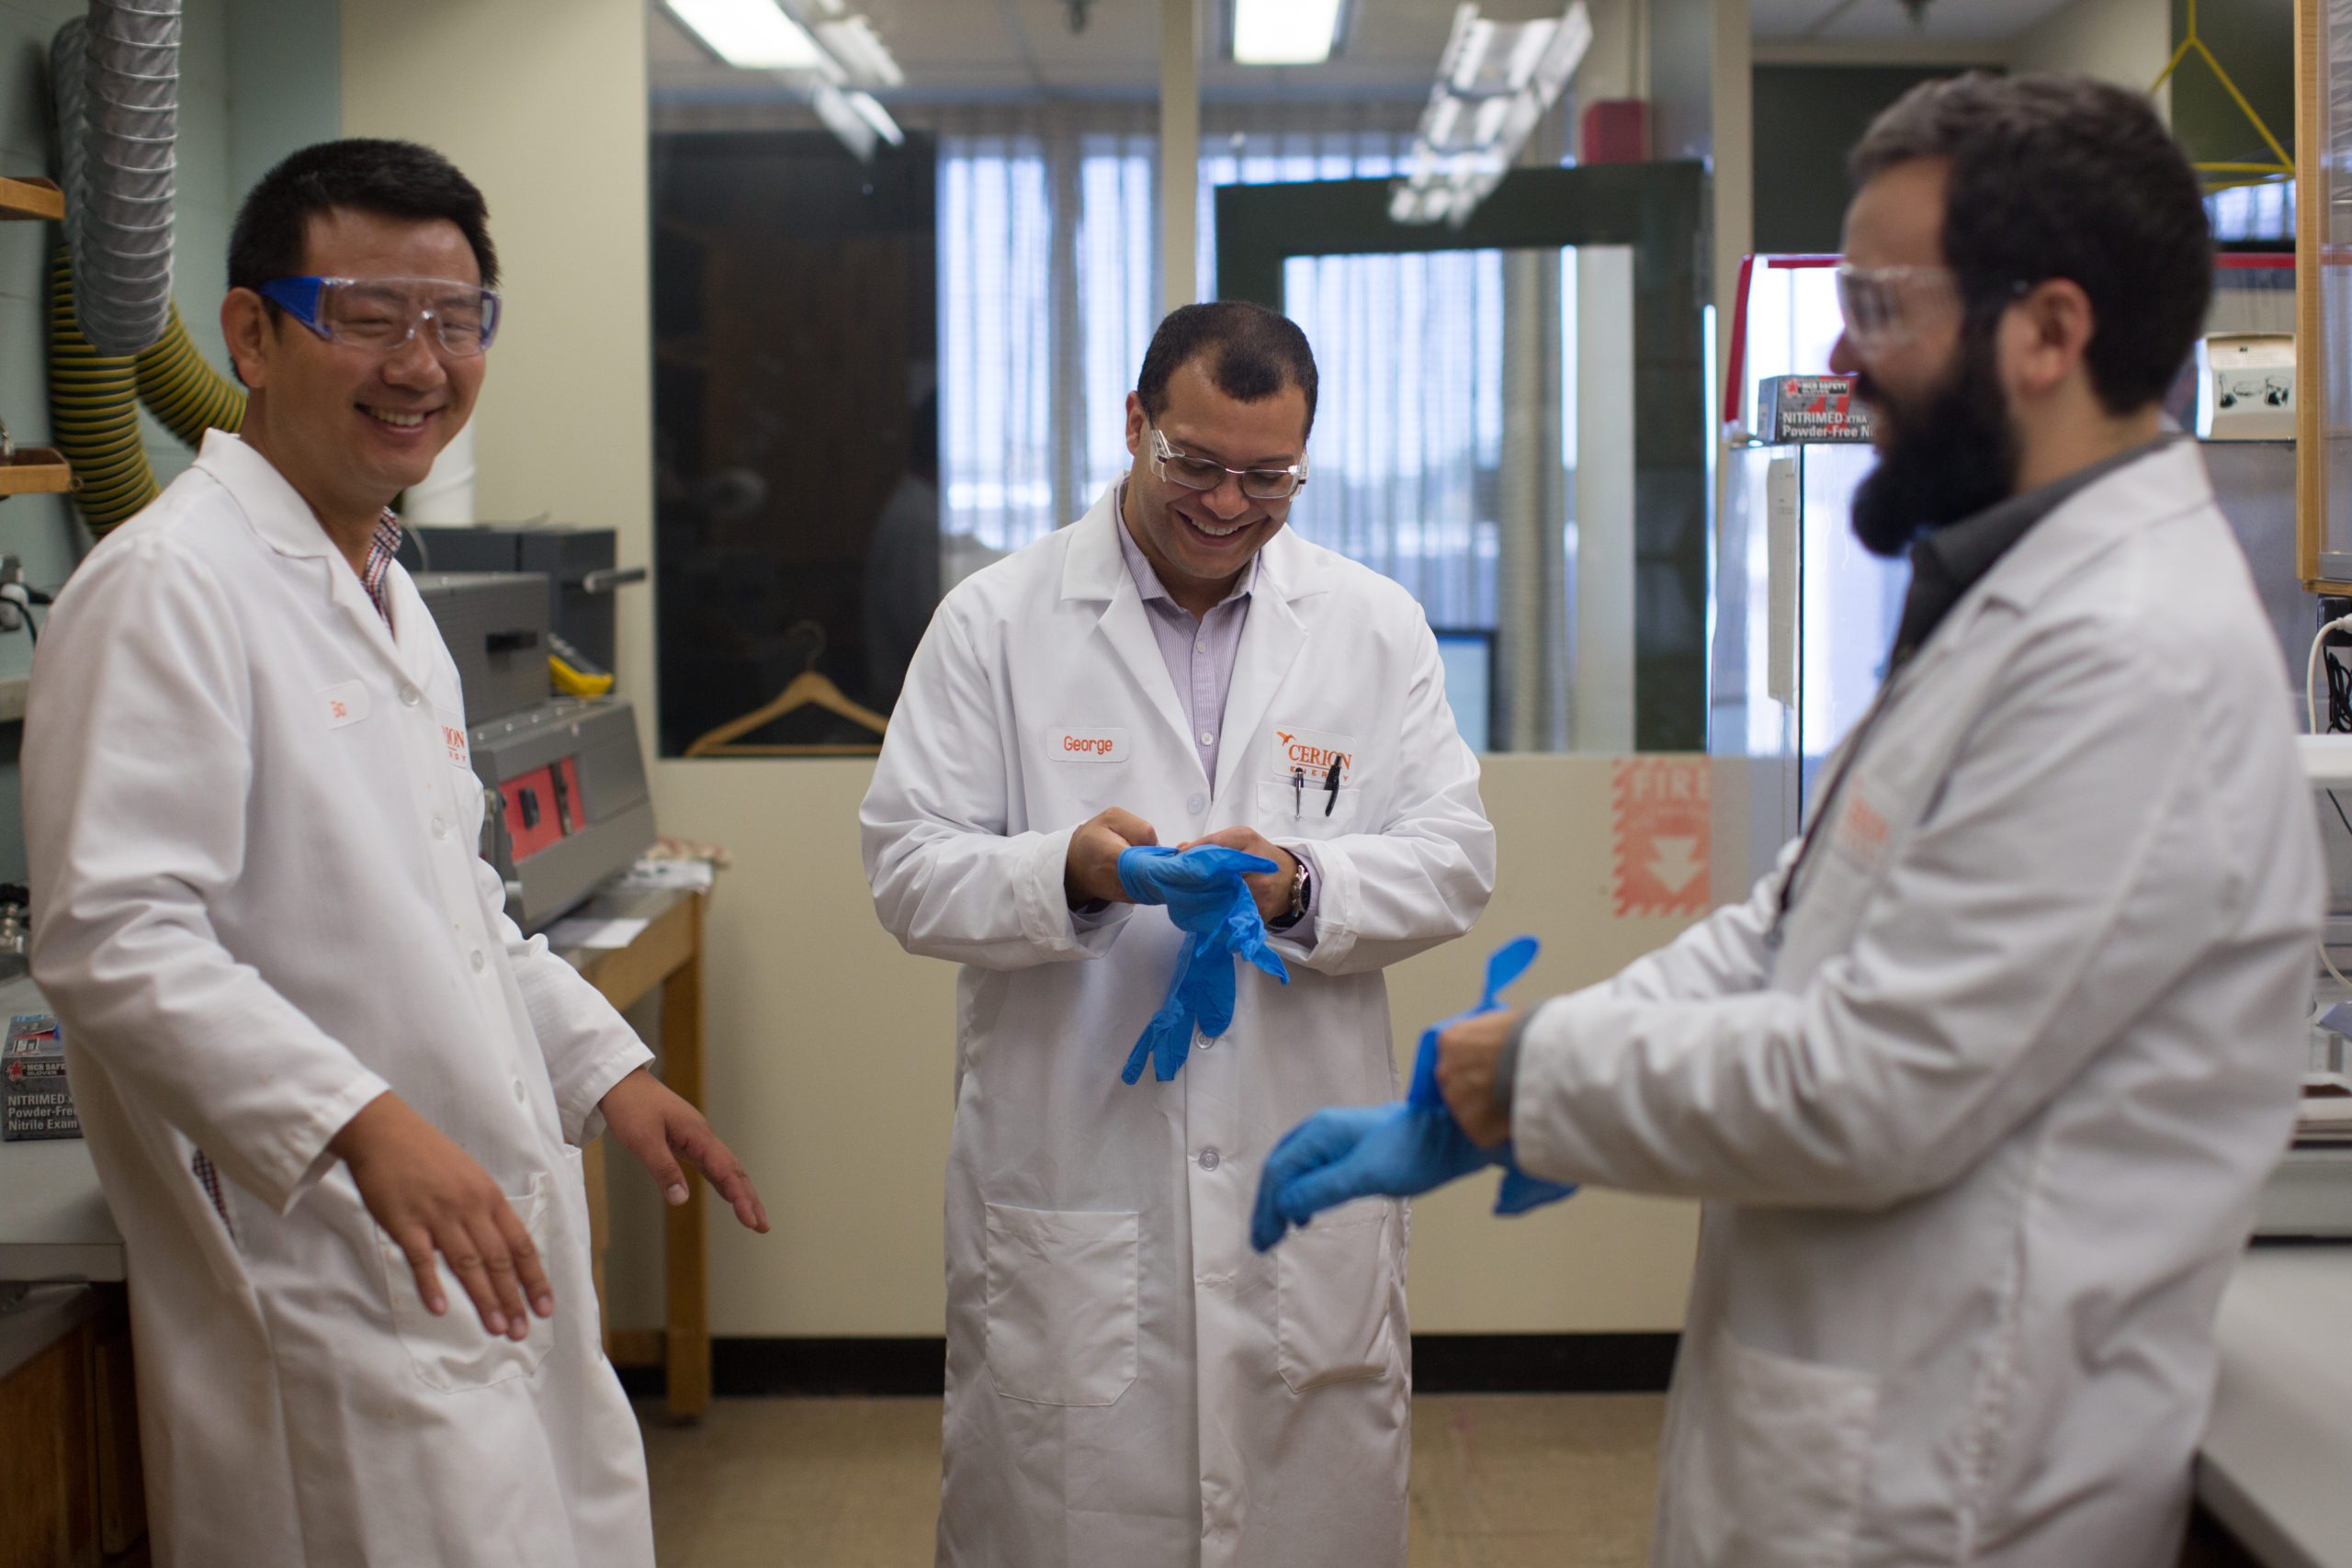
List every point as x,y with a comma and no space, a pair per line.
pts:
1951,459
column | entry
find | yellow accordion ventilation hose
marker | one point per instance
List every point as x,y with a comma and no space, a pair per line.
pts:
93,404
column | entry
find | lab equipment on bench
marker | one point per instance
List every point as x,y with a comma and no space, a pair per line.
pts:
580,565
2310,1195
566,805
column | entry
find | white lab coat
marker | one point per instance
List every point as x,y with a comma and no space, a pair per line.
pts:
256,901
1127,1382
1982,1141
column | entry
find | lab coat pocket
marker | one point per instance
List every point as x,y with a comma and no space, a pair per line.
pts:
454,1352
1289,813
1062,1300
1334,1283
1782,1453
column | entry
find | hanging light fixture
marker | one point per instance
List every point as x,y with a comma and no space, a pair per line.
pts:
834,57
1495,81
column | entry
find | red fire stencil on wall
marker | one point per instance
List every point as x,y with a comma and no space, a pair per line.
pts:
1661,817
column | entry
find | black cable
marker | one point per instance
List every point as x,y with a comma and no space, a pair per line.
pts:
2339,811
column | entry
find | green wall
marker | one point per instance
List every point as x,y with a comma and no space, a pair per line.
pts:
1806,117
2254,40
258,79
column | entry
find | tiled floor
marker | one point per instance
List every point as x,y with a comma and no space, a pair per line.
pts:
1499,1481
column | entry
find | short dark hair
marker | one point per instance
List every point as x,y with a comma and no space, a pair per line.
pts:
392,179
2058,175
1250,354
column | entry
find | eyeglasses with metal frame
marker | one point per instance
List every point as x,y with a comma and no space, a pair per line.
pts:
1204,473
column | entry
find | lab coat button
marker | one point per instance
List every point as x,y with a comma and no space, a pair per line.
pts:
1197,803
440,828
519,1095
409,695
1210,1159
480,961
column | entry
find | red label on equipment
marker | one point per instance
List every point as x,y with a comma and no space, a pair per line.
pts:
1662,839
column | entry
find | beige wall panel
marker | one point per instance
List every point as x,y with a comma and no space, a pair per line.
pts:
544,105
832,1061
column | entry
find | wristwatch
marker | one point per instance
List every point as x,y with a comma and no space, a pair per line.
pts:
1301,887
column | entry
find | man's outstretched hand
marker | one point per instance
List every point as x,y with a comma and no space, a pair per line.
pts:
1399,1150
645,1117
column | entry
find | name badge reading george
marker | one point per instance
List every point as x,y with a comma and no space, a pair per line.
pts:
1074,745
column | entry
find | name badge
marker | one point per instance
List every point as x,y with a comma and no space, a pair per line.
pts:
344,703
453,740
1313,752
1073,745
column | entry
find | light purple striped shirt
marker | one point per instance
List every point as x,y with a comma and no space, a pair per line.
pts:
1201,656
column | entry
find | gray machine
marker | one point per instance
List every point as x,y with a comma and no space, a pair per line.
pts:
567,802
577,563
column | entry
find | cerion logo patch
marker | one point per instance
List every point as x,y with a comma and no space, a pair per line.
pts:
1071,744
1313,752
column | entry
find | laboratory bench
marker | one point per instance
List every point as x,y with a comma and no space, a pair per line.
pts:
2275,1467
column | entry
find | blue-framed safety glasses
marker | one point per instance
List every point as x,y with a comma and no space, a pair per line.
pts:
382,314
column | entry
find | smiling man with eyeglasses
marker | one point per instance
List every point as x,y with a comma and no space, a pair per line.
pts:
335,1098
1127,1382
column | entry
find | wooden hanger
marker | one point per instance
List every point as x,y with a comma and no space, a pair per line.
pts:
809,689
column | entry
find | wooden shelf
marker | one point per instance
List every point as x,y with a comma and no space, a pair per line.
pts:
35,470
34,198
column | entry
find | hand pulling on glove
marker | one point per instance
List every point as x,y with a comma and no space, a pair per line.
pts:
1399,1150
1206,895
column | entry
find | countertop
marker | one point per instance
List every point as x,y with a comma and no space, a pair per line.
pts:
2276,1462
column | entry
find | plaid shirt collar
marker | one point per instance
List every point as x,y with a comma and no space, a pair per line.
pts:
382,545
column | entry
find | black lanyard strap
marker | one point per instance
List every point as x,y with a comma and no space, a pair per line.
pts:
1854,744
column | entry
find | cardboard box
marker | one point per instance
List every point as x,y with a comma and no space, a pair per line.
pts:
1811,410
35,1102
2246,387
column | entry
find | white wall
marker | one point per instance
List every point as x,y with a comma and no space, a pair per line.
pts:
831,1051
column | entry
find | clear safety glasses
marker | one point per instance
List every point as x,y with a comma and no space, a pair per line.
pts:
380,315
1886,307
1201,473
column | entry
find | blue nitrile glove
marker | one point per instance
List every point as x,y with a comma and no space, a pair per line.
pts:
1399,1150
1206,898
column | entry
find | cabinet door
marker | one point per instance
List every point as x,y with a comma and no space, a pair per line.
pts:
48,1502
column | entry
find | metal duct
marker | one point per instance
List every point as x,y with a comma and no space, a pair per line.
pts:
116,75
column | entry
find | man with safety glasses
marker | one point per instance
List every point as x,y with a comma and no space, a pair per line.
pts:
1127,1382
1980,1083
334,1096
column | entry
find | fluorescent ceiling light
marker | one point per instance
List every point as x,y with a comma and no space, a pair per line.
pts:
1495,81
869,109
751,34
862,53
1284,33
